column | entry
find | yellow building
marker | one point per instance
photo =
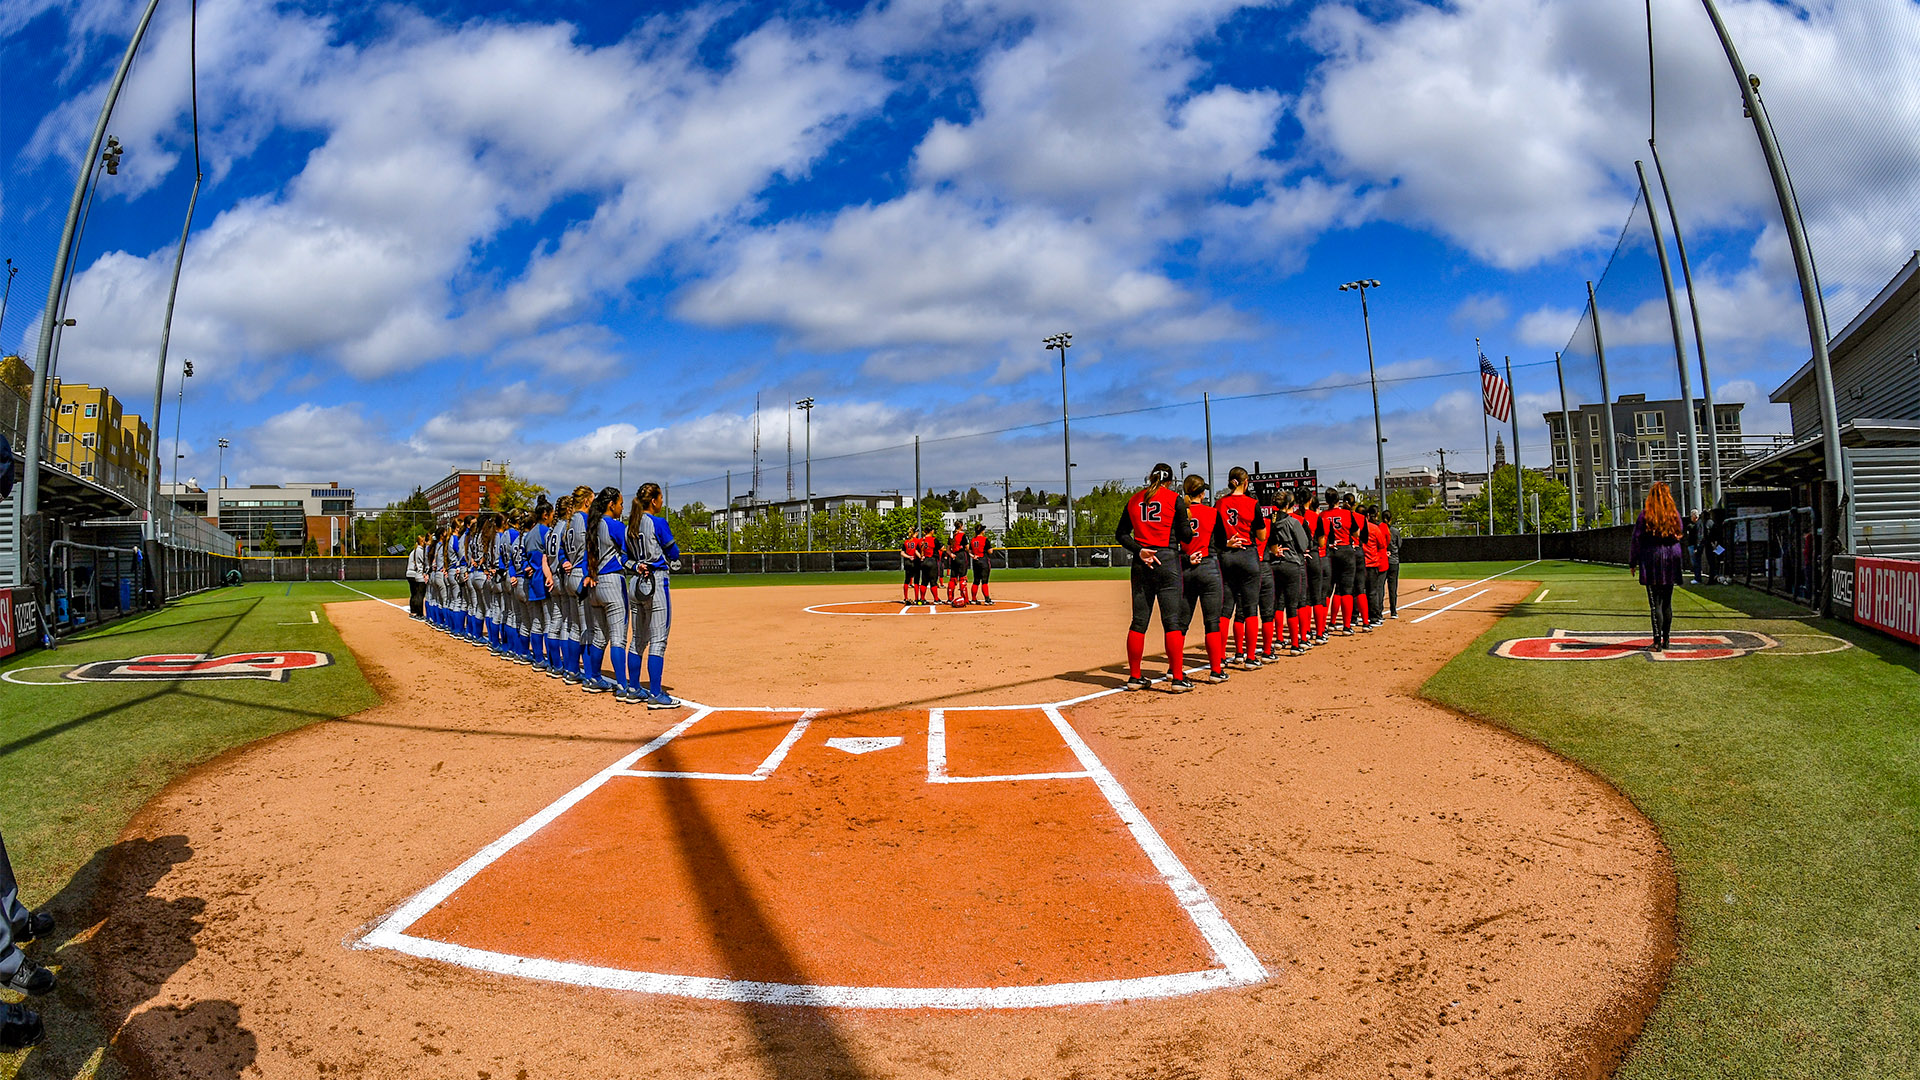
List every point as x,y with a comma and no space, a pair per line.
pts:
93,438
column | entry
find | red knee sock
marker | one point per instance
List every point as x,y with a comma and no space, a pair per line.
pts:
1273,634
1216,651
1346,612
1320,620
986,590
1177,653
1246,639
1360,602
1136,648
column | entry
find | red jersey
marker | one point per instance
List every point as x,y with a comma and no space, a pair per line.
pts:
1239,516
929,546
1151,513
1339,524
959,542
1375,546
1203,518
978,545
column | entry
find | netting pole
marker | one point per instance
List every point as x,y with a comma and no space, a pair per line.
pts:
1206,410
1802,261
1690,464
1566,428
1699,337
1609,449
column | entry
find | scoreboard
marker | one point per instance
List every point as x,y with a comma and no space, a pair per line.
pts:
1296,480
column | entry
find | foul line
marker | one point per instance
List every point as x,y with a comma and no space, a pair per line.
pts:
937,754
1469,585
1450,607
370,596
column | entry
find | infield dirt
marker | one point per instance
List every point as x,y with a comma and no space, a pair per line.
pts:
1432,897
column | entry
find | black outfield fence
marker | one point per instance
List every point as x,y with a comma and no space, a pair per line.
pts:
1608,545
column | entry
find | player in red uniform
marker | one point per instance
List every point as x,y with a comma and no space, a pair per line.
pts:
909,566
1319,571
1239,563
929,551
980,547
1269,629
1337,526
1200,576
1373,572
958,563
1152,527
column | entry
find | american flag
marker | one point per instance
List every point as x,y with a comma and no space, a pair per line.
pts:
1495,394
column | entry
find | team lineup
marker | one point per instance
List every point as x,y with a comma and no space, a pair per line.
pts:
564,588
573,588
1272,571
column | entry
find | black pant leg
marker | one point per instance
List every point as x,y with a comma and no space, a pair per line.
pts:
1393,590
416,596
1141,583
1376,594
1167,591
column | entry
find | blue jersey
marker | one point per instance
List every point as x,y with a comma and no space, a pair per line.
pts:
610,547
533,549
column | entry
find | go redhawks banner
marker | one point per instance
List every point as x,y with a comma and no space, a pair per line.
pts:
1886,596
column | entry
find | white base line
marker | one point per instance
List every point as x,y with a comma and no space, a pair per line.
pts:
1542,596
932,609
369,596
1450,607
1239,966
1470,584
937,752
761,772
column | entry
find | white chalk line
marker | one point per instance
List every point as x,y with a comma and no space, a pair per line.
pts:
1450,607
760,772
1469,585
370,596
937,754
9,675
1239,967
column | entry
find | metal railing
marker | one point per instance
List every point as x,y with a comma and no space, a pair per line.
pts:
1776,552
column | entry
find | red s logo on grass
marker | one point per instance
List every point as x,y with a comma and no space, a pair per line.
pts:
169,667
1614,644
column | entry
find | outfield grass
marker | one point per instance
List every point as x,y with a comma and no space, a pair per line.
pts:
1788,789
78,759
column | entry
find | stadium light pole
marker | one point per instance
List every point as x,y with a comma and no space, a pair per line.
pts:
620,464
186,372
806,406
1064,341
8,294
1379,444
220,464
29,504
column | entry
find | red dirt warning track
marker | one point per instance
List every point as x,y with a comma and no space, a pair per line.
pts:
1429,896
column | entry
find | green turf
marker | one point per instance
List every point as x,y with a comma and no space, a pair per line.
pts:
1788,789
78,759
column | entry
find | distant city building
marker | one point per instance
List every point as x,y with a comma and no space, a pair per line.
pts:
1417,478
465,491
794,511
1648,436
296,512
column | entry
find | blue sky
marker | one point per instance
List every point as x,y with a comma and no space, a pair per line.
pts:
439,232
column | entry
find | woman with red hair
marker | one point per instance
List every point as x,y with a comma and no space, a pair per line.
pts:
1655,556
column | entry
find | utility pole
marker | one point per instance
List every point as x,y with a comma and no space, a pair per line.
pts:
1063,341
806,406
729,517
1443,477
916,483
1006,505
1206,410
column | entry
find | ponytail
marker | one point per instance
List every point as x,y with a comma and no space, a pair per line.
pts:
1237,479
607,497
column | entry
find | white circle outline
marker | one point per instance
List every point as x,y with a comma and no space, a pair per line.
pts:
934,609
1842,647
8,676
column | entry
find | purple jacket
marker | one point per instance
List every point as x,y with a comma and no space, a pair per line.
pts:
1657,559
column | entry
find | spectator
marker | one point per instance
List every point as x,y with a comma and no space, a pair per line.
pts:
1697,527
1655,555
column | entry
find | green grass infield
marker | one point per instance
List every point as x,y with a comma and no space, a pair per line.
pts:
1788,789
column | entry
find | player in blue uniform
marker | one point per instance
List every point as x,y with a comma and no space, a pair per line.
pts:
652,556
606,592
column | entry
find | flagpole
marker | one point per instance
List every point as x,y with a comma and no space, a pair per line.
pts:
1519,484
1486,437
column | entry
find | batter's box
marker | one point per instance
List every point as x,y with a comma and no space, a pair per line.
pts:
960,858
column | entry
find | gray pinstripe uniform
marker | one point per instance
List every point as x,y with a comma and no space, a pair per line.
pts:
557,593
573,547
607,603
533,612
650,608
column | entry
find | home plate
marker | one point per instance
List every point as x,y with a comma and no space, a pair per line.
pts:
865,745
